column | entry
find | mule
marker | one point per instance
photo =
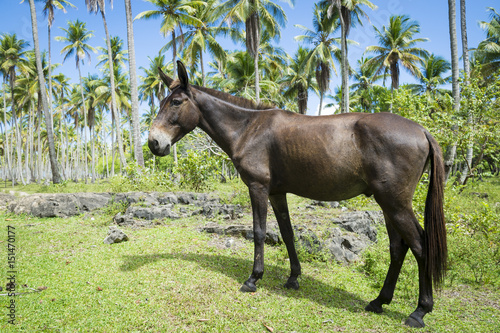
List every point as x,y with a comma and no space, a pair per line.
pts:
327,158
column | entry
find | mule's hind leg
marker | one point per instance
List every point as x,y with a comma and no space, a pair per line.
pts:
280,208
398,250
404,223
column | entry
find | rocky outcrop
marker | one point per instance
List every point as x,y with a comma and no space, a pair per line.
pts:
348,236
59,204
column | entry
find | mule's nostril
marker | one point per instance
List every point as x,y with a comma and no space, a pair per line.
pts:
156,144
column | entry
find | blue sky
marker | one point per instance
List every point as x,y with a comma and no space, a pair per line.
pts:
431,15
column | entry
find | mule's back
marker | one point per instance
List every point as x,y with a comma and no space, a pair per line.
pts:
341,156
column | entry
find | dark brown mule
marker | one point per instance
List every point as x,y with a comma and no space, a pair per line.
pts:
323,158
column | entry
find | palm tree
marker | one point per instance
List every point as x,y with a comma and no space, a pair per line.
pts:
48,11
349,13
322,56
433,70
56,178
152,86
365,77
122,94
297,81
95,6
119,56
61,90
174,14
257,15
488,50
11,57
133,86
200,38
76,37
397,46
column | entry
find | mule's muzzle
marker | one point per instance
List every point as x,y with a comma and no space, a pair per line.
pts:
159,144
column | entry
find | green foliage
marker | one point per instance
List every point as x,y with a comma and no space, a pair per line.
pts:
434,115
197,168
141,179
237,194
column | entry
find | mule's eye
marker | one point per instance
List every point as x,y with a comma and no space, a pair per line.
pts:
176,102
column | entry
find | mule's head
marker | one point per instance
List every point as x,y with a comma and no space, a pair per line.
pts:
178,114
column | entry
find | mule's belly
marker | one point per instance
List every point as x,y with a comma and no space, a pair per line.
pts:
324,179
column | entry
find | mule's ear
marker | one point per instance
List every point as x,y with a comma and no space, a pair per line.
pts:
183,75
165,78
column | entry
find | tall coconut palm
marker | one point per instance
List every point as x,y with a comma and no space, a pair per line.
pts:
349,13
76,37
49,9
488,50
202,38
11,57
257,15
174,14
133,85
363,88
152,85
297,81
95,6
56,178
61,90
434,69
324,51
397,47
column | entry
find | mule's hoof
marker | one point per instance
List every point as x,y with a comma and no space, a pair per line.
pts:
414,321
248,287
372,307
292,285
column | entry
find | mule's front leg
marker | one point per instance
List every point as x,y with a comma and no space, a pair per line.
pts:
258,198
283,217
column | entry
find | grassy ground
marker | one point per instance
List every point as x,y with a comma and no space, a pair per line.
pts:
172,278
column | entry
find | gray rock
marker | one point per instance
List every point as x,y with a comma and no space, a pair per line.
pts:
152,213
272,236
141,197
123,219
115,236
59,204
186,198
5,199
167,198
358,222
308,239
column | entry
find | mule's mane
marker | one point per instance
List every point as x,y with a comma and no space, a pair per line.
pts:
238,101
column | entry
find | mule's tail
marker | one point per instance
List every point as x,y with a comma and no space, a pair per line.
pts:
434,224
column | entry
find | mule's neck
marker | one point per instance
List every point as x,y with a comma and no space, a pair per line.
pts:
224,122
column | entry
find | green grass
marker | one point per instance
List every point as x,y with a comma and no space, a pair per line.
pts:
172,278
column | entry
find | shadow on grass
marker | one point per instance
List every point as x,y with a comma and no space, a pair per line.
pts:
237,269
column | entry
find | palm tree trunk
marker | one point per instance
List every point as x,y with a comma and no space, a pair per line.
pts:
344,105
465,49
133,86
92,138
449,157
113,146
320,103
257,78
7,150
114,110
202,69
56,178
86,170
39,148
